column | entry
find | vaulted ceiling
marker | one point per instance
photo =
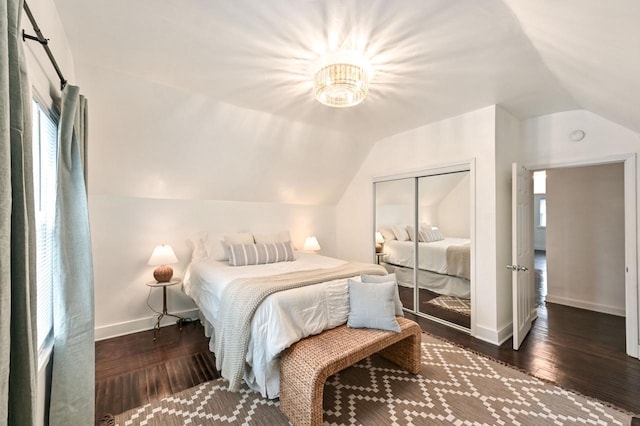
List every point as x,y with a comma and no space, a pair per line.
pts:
431,59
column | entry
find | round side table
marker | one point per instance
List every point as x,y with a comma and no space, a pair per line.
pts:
164,313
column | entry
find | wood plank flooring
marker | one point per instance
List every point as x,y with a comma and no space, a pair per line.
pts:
132,370
576,349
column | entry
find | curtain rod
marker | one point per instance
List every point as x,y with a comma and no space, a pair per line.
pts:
44,42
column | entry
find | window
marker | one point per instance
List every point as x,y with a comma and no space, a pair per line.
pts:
542,214
540,182
45,160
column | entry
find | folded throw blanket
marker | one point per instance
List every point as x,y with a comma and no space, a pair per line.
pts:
459,261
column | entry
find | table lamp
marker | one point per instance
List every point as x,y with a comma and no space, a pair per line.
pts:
311,244
379,242
162,256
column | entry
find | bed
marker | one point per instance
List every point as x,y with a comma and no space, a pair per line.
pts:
443,265
280,320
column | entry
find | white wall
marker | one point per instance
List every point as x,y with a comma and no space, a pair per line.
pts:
546,141
163,165
42,75
585,239
454,140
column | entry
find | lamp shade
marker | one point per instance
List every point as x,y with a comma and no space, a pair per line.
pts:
379,238
311,244
162,256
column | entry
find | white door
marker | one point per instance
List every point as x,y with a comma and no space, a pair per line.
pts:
522,254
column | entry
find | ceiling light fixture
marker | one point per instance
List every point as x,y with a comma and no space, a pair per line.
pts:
341,82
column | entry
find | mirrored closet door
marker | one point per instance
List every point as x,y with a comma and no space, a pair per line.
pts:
423,234
395,208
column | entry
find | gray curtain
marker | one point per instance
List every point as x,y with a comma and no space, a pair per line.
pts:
73,375
17,229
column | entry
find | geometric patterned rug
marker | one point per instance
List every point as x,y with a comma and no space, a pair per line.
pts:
452,303
455,386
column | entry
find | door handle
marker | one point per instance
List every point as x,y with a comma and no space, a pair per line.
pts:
517,268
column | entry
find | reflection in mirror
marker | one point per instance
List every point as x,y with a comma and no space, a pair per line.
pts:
394,219
444,245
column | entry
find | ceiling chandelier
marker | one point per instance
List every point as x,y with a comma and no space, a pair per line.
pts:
341,83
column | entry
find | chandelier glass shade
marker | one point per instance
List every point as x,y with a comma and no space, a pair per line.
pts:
341,84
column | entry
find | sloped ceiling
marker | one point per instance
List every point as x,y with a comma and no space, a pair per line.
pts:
431,59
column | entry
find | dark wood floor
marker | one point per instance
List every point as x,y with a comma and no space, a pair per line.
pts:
574,348
132,370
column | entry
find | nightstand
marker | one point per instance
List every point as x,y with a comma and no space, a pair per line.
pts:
379,257
164,313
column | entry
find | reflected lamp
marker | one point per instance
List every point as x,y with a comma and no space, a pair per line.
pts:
379,242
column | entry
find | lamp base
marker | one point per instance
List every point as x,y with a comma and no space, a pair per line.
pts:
378,248
163,273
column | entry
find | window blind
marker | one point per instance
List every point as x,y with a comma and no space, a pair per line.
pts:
45,161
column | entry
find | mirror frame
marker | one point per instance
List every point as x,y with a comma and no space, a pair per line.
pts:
463,166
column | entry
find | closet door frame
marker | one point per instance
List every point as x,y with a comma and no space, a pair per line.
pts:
462,166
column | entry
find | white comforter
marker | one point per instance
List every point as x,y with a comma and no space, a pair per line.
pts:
431,256
281,320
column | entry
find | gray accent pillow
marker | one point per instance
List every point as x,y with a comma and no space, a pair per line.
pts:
371,306
259,254
385,278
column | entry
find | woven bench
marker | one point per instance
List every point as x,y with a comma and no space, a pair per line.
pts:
306,365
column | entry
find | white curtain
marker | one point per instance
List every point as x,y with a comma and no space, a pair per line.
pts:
17,229
73,375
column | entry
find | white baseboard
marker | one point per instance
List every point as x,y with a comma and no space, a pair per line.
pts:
495,337
141,324
597,307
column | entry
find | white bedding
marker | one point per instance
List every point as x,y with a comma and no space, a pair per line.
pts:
431,256
282,319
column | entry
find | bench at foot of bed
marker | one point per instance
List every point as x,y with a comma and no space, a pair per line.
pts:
306,365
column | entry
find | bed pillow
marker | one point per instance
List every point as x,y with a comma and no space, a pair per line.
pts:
198,244
276,237
239,238
411,232
429,234
260,254
400,232
387,233
437,233
371,306
385,278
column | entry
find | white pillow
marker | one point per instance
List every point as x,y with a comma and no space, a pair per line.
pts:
218,248
239,238
371,305
277,237
198,244
411,232
372,279
400,232
387,233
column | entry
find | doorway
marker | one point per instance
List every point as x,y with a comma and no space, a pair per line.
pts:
586,257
